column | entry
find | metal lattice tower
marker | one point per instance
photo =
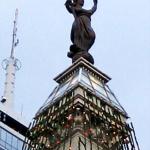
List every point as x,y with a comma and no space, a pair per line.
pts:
82,113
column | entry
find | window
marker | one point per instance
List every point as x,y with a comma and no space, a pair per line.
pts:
94,79
8,147
20,144
14,141
99,89
9,138
86,80
2,143
3,135
1,148
8,141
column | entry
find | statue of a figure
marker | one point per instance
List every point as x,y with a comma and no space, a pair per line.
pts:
82,34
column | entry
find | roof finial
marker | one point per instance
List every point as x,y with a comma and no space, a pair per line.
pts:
14,40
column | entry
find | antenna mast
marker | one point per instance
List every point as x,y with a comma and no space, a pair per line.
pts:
11,65
14,40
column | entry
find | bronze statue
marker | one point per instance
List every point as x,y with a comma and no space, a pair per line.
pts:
82,34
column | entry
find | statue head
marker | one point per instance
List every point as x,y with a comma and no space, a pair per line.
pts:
78,2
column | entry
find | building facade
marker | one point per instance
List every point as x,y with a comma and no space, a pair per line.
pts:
82,113
12,131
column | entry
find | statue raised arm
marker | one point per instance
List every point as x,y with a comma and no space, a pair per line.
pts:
69,5
82,34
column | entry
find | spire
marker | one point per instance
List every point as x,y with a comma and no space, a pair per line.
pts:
11,65
14,40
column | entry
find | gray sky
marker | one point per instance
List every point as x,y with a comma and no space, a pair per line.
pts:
121,50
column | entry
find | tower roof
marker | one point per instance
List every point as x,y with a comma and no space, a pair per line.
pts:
83,74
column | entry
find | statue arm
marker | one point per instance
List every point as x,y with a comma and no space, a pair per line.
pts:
68,6
94,8
81,10
90,12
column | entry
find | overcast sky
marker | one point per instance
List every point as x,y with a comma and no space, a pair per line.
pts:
121,50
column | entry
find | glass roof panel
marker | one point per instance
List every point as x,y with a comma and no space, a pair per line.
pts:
52,95
107,87
49,99
61,89
74,79
111,97
99,88
86,80
93,79
101,95
67,85
84,72
86,85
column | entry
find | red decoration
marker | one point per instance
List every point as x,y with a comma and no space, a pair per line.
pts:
67,126
58,142
85,134
70,117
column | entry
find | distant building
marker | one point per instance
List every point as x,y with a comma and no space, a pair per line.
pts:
12,130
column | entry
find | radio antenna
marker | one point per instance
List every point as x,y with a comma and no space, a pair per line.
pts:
15,41
11,65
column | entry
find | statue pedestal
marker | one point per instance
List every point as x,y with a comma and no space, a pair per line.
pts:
76,53
85,55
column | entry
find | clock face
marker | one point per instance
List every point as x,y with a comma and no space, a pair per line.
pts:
5,64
